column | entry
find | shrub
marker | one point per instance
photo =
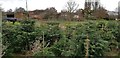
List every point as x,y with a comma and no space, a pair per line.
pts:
17,38
103,35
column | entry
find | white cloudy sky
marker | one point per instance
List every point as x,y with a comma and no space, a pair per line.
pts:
58,4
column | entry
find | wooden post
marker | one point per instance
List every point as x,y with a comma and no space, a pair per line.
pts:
87,47
27,10
43,42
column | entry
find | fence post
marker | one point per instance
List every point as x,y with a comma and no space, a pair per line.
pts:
87,47
43,42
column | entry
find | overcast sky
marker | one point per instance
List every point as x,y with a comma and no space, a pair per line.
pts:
58,4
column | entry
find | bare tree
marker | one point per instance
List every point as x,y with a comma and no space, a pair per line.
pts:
101,12
71,6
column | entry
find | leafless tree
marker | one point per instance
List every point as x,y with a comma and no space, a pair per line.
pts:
101,12
71,6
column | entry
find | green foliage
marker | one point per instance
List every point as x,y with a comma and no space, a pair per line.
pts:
18,38
51,33
44,52
103,36
99,35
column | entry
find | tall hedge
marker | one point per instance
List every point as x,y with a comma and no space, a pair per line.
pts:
103,35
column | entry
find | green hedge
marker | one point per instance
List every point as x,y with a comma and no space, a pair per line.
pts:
103,35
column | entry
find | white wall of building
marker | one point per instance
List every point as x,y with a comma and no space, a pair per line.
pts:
119,9
119,6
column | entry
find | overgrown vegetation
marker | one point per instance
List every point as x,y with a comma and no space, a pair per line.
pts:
56,39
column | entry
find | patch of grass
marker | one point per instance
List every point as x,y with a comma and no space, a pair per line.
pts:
39,23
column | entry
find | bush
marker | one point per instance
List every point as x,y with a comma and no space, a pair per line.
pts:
18,38
100,33
103,35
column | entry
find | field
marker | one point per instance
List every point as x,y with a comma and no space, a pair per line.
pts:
62,38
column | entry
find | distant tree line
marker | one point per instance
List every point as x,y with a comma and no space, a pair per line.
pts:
71,13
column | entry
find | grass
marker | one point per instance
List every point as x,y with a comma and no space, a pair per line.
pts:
39,23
